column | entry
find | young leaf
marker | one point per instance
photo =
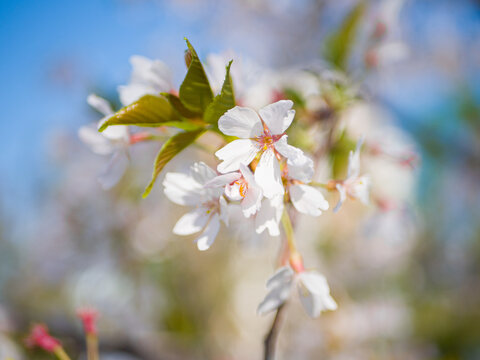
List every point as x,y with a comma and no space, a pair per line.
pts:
179,107
169,150
223,101
149,111
195,92
339,44
185,125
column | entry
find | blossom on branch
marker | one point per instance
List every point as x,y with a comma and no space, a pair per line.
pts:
114,141
209,204
262,135
148,77
354,186
312,287
306,199
240,186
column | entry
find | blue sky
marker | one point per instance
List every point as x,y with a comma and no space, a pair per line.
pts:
53,54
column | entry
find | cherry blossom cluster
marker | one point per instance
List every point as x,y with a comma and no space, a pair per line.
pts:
262,173
260,179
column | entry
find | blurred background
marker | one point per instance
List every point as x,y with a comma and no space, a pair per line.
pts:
406,276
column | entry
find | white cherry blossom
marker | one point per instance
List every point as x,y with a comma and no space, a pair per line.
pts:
264,135
112,141
209,206
354,186
240,186
312,288
306,199
148,77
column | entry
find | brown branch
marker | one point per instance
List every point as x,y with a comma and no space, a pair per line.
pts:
272,335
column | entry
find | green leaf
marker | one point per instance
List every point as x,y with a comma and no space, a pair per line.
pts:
185,125
169,150
339,44
179,107
149,111
295,96
223,101
339,155
195,92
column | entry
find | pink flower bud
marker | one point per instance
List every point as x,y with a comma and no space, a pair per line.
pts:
296,262
40,337
89,320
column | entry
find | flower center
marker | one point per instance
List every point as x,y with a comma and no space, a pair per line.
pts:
267,140
242,187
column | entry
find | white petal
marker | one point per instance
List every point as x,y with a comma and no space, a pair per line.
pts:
278,116
241,122
98,143
224,211
302,172
237,152
192,222
152,72
208,236
202,173
295,157
148,77
117,133
114,171
100,104
274,299
268,217
182,189
247,174
280,285
222,180
130,93
314,293
343,196
252,201
360,189
282,275
354,161
307,199
267,175
233,192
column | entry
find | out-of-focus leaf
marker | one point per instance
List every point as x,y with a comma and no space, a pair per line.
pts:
339,155
295,96
339,44
169,150
195,92
149,111
179,107
223,101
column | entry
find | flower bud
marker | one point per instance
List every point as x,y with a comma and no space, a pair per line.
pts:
89,320
39,337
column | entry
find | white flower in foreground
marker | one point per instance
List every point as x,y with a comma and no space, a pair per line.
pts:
264,134
312,288
354,186
112,141
262,213
209,205
306,199
240,186
269,216
148,77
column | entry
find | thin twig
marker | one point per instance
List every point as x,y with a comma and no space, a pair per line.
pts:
271,338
